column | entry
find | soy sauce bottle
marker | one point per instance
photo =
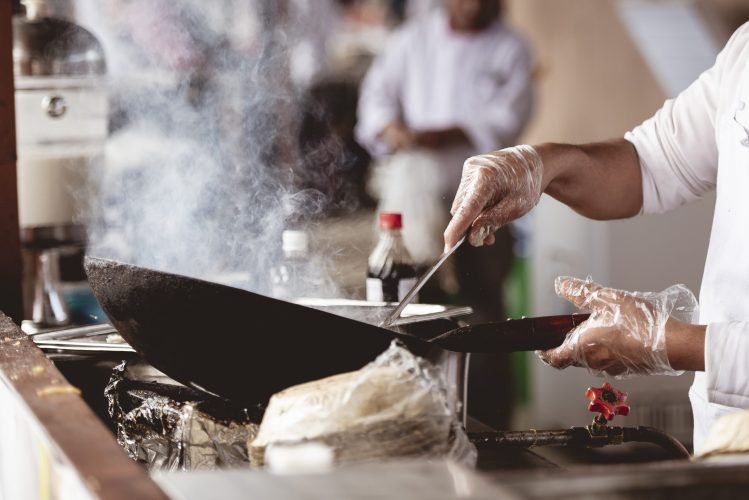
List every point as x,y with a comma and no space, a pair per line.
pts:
390,271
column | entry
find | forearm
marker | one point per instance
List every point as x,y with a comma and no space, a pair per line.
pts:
685,345
601,180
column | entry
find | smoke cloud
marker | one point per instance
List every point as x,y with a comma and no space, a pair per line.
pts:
203,169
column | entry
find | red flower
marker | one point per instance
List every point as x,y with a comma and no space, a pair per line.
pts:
607,401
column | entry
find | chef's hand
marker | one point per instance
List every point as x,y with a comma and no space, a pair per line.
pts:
397,136
627,331
495,189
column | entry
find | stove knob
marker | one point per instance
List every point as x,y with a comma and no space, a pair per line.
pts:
607,401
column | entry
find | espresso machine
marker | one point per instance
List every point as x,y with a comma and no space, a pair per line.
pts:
61,125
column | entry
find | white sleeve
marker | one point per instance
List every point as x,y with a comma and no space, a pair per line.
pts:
726,367
677,146
379,98
506,112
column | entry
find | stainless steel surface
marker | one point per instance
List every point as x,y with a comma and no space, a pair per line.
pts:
42,245
83,340
79,347
77,332
49,308
44,46
420,284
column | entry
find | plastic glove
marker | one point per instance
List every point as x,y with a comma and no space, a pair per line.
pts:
495,189
626,333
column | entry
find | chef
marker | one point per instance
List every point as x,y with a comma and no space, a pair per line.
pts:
695,143
456,76
450,84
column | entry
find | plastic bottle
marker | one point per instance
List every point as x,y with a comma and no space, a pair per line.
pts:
390,271
287,277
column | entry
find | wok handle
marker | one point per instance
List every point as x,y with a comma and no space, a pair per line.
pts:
527,334
550,331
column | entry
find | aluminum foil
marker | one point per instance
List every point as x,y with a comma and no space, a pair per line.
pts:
169,427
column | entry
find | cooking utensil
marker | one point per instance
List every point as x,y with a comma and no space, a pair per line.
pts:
420,284
527,334
228,341
245,346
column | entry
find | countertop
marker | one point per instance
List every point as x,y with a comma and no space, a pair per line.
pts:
53,445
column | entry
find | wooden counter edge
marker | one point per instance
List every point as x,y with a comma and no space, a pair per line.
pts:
10,247
68,421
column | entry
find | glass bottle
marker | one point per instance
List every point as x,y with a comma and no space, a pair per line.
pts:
390,270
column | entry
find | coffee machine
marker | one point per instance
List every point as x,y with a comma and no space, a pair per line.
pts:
61,126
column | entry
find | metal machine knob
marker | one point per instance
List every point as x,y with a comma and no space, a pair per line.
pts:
54,105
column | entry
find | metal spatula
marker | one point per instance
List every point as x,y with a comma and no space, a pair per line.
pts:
420,284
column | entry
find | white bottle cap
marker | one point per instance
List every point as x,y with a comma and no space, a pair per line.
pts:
295,241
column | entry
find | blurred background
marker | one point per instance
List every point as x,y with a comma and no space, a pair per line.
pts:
282,92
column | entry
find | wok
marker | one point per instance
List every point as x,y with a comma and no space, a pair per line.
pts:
228,341
244,346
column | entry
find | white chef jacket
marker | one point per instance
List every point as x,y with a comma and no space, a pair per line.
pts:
432,77
695,143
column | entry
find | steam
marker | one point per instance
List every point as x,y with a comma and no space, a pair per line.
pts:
203,171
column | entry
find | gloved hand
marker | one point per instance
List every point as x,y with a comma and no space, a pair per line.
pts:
626,333
495,189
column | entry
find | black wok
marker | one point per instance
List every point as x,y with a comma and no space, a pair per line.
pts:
227,341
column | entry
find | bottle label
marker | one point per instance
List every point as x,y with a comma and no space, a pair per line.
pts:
404,286
374,290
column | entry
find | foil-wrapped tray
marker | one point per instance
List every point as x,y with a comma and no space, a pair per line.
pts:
167,426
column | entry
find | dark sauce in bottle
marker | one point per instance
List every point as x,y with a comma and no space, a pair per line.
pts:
390,272
393,279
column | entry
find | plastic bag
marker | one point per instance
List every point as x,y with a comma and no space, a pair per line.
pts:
396,406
